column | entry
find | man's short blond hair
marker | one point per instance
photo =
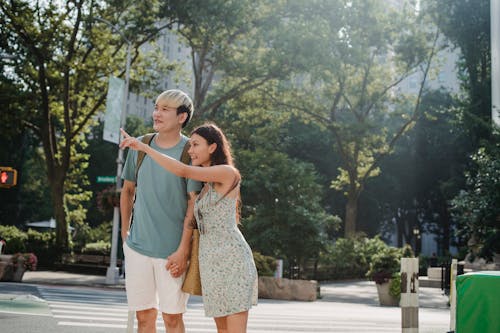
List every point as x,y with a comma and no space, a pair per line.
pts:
180,100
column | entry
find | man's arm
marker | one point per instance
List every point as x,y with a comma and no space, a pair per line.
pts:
126,204
177,261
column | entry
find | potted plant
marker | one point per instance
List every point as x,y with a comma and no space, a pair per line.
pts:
384,271
108,199
19,263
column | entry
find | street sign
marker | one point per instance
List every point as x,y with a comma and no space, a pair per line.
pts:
114,106
106,179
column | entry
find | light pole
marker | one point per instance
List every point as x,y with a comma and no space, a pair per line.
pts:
113,271
495,61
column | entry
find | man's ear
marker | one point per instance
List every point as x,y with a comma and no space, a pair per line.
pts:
182,117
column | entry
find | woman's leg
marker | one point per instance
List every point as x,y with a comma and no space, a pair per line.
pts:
237,322
221,323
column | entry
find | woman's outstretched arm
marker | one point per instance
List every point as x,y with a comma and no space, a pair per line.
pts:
216,173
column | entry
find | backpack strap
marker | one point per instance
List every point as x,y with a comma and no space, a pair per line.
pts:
185,158
140,154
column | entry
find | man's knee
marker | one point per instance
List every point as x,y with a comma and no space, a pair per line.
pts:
172,320
146,316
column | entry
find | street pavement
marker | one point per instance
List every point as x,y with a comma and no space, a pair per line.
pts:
60,302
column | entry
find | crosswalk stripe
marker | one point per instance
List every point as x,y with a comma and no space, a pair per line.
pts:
104,309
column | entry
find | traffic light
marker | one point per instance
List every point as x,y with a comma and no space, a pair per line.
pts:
8,177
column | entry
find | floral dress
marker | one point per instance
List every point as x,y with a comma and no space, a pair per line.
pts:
227,270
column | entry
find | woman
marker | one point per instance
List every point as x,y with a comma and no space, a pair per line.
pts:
227,270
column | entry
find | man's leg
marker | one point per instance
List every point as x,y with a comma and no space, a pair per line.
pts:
141,289
173,301
173,323
146,321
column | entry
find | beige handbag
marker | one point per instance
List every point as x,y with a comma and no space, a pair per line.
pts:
192,282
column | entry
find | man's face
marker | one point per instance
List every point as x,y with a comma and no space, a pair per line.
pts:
165,116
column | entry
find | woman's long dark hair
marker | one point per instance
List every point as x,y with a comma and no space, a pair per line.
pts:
222,154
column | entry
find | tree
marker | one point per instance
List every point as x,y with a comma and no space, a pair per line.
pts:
476,207
63,59
467,25
421,176
236,46
361,56
282,206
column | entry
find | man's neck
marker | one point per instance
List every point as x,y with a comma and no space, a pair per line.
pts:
167,139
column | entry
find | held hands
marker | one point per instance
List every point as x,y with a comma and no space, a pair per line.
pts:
176,264
131,142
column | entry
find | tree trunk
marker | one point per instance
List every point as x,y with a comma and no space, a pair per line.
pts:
351,215
62,235
444,247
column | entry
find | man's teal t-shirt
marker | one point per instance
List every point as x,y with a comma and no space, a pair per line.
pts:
160,203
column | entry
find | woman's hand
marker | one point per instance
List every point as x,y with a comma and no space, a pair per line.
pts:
131,142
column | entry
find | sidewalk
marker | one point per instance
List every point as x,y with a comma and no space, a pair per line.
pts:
66,278
356,292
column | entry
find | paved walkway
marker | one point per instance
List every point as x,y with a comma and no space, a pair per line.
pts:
356,292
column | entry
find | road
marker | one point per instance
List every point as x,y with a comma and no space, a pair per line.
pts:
75,309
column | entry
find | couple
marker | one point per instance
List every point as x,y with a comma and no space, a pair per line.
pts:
158,202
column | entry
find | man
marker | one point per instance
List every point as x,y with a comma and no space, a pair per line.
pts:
157,242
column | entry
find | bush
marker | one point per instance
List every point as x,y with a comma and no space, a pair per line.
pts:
100,247
85,234
43,244
348,258
15,239
266,265
385,264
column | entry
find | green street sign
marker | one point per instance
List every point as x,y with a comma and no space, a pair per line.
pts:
106,179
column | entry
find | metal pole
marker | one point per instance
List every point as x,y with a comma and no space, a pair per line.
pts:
113,271
495,61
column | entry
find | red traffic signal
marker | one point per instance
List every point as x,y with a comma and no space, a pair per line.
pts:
8,177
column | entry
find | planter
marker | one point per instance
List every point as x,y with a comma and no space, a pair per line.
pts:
384,297
10,272
286,289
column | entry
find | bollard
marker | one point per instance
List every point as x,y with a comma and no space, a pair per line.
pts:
409,295
453,293
130,322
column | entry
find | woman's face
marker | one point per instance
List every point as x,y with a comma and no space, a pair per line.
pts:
200,150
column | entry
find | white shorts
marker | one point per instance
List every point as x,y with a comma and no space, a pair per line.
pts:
150,285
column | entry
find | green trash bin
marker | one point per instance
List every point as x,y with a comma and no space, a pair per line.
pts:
478,302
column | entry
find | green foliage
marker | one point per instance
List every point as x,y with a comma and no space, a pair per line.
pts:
266,265
15,239
348,258
395,285
100,247
385,264
86,234
62,62
476,208
43,245
345,90
281,206
467,25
